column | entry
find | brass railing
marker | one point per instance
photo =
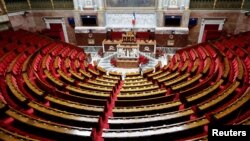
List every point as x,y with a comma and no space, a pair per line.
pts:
63,4
220,4
201,4
13,6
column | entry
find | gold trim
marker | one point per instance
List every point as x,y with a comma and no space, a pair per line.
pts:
52,4
242,4
4,6
28,1
215,1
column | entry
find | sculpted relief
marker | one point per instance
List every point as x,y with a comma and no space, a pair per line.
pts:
125,20
130,3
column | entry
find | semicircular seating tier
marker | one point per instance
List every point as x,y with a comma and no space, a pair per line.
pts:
49,92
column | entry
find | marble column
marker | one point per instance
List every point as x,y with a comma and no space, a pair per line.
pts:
100,4
101,18
187,3
182,4
159,4
160,19
77,19
65,32
185,18
75,4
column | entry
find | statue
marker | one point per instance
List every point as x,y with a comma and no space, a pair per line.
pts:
133,53
121,52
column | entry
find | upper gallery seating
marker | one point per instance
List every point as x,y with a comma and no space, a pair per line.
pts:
48,92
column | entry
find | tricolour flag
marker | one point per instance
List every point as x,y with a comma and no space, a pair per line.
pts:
134,19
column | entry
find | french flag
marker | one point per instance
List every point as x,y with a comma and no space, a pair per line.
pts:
134,19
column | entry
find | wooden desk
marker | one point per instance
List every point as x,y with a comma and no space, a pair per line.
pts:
127,63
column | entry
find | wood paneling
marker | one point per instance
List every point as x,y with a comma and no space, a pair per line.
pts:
161,39
180,40
82,39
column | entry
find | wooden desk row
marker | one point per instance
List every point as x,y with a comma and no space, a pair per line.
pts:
47,125
65,76
205,91
53,79
86,74
60,114
195,65
76,75
168,77
240,69
143,101
161,75
155,130
235,105
153,93
178,79
208,64
88,92
143,88
106,80
95,87
26,64
220,97
133,77
144,108
154,73
136,84
166,67
57,62
32,87
185,66
226,69
13,88
115,73
135,81
74,105
150,118
101,69
98,83
6,135
148,71
186,83
112,77
245,122
174,68
94,72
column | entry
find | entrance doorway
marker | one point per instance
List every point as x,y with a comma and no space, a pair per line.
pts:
58,27
210,29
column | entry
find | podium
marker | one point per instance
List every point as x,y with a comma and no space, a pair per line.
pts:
128,49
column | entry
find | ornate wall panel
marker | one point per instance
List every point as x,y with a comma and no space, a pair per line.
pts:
130,3
125,20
